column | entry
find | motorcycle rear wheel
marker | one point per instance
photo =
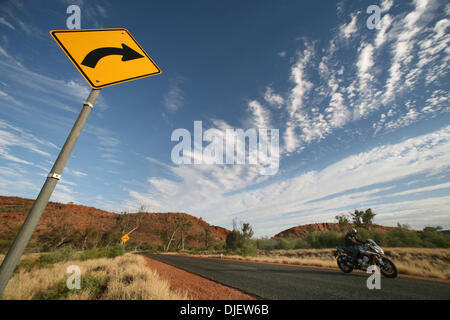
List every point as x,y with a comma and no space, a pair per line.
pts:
342,264
389,270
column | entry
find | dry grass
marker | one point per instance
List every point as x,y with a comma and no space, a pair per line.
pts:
127,278
424,262
433,263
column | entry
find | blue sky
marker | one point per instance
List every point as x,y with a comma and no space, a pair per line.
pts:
363,114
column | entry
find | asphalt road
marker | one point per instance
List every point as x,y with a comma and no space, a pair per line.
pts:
283,282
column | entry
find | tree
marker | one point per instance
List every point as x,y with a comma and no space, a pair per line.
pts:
174,226
185,224
432,229
128,223
239,236
357,218
363,218
247,230
110,236
56,237
234,240
367,218
91,237
343,221
207,237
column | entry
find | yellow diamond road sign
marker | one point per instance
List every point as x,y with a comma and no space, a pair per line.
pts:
125,238
105,56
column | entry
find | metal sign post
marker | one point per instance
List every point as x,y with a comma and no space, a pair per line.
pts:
15,252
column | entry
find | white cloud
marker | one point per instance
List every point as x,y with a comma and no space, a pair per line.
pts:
3,52
273,98
349,93
386,5
12,137
365,64
76,173
296,98
438,101
338,113
418,190
405,120
174,99
347,30
381,38
405,31
6,23
260,115
217,193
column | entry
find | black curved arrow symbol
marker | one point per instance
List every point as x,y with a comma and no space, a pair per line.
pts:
93,57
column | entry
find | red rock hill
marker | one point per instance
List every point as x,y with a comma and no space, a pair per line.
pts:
13,212
304,230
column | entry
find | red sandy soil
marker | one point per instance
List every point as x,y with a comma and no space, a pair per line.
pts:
197,287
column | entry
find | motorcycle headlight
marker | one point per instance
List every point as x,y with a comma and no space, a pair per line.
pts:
379,250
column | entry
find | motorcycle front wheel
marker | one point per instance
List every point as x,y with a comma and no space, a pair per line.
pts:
388,269
342,264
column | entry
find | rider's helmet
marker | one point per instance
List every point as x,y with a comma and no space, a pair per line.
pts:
352,231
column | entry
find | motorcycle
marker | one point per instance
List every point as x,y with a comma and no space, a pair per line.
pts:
370,254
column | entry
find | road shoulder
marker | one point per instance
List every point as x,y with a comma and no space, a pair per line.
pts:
197,287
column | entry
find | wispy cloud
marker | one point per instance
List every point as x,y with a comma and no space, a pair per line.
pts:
174,99
75,173
6,23
13,137
349,183
347,30
273,98
349,93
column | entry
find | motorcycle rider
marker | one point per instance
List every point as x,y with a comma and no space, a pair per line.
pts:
352,243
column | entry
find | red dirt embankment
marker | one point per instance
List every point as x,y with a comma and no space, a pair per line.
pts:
197,287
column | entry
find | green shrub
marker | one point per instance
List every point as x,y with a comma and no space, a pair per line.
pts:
301,243
363,234
330,239
266,244
27,264
286,244
380,237
66,253
194,250
95,253
220,245
95,285
434,239
57,292
234,240
4,246
401,236
313,239
115,251
248,249
147,247
48,259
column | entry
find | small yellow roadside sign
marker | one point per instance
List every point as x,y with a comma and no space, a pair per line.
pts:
125,238
105,56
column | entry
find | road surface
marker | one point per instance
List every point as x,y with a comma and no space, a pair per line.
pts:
283,282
